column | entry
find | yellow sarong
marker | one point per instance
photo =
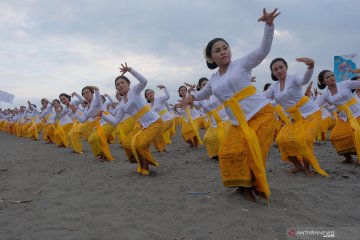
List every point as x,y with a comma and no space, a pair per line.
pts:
300,137
255,160
102,137
353,123
194,125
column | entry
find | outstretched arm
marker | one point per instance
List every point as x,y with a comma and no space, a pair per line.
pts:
257,56
309,72
142,80
167,94
114,120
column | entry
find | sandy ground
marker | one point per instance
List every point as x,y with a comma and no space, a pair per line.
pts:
48,192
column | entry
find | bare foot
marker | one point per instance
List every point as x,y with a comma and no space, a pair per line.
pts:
248,194
348,160
296,170
132,159
102,158
308,172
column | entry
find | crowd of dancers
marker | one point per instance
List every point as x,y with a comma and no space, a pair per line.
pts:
241,122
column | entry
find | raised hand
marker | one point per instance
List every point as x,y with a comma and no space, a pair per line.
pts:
316,92
268,17
188,100
189,85
124,69
73,108
94,88
308,61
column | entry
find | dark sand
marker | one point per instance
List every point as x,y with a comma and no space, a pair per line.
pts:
48,192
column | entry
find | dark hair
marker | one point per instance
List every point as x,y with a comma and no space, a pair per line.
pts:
65,95
354,78
321,82
201,80
180,88
208,51
55,100
45,100
272,63
124,78
88,88
145,94
266,86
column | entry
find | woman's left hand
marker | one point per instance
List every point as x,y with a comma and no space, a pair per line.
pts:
268,17
124,69
308,61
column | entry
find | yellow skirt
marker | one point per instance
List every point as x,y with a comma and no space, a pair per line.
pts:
95,142
164,138
143,138
173,128
61,135
342,137
75,136
2,123
212,141
33,131
278,125
326,124
49,133
235,155
201,122
25,128
124,128
286,137
187,131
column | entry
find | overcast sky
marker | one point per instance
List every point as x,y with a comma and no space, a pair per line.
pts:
48,46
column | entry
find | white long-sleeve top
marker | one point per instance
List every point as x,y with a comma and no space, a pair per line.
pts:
160,104
134,104
46,111
193,112
212,104
237,77
343,95
67,111
118,108
91,111
292,93
35,115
